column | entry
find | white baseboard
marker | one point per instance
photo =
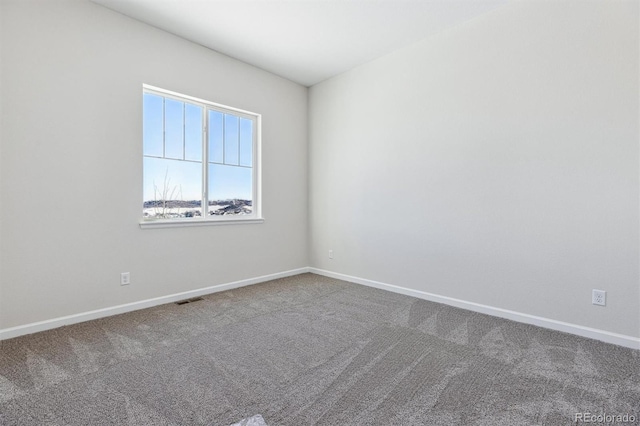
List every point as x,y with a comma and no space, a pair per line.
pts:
592,333
35,327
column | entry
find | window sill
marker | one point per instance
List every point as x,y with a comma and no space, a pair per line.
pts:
177,223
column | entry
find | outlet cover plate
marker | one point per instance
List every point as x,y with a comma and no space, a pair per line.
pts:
599,297
125,278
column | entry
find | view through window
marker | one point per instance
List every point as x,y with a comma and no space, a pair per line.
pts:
193,151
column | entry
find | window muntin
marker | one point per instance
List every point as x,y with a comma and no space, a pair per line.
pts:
178,133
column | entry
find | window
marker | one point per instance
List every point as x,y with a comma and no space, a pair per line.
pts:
201,161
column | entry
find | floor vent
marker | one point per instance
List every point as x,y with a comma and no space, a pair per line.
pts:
184,302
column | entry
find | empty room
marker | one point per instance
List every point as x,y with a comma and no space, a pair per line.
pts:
319,212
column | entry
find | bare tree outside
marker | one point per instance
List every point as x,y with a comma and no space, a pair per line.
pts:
165,196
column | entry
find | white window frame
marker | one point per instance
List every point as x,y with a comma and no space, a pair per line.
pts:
206,218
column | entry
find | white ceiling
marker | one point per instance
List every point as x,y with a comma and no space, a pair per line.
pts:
305,41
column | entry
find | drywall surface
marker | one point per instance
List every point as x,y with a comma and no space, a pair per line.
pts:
1,98
496,163
72,75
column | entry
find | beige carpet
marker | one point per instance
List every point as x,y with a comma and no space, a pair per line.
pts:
310,350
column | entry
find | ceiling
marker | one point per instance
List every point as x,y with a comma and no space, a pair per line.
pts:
306,41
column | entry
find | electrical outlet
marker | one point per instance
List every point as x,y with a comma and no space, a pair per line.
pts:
599,297
330,254
125,278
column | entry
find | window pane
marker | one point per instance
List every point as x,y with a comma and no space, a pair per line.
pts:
216,130
173,127
175,141
172,188
231,135
246,142
230,190
152,127
193,132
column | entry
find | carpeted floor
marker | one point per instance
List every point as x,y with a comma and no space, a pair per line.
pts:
310,350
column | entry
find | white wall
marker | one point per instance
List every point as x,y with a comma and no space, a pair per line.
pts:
496,163
71,165
1,127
